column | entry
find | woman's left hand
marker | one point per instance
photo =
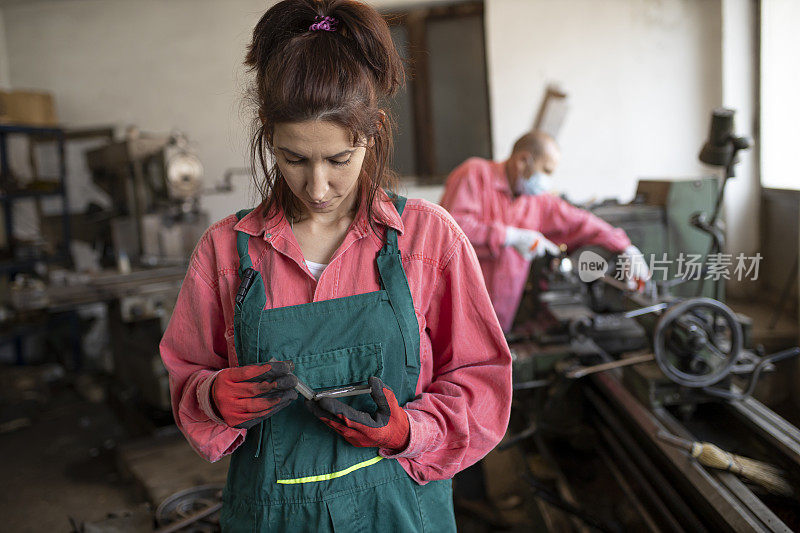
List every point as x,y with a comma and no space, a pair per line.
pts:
385,428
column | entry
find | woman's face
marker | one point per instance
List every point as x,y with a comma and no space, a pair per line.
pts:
320,164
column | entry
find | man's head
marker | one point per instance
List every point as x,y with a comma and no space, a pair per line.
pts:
534,152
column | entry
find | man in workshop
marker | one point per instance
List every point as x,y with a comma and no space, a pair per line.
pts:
507,214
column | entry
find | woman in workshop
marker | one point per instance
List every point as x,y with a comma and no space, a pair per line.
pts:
331,281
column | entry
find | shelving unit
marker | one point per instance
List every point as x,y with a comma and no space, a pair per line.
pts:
9,194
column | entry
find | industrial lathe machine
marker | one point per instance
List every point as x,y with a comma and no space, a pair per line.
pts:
634,410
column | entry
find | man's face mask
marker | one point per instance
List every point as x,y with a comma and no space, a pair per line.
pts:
537,183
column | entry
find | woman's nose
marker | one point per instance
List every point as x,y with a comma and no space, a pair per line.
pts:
317,184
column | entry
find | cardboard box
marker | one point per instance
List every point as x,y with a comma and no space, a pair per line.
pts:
29,108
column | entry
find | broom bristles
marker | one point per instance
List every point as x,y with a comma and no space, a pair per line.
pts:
764,474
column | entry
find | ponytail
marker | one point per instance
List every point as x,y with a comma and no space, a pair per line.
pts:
338,74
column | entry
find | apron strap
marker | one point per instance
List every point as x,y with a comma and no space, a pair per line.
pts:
242,241
395,283
247,274
391,233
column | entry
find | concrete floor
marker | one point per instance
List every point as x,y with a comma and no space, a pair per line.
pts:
62,467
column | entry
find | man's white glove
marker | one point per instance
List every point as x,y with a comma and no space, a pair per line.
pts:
530,243
634,266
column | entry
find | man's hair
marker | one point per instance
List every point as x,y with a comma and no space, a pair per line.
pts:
536,142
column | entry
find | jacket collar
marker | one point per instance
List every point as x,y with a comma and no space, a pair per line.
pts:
255,223
384,211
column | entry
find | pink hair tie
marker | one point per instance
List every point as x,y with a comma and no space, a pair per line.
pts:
324,24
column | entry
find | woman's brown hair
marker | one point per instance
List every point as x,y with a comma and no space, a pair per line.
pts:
338,76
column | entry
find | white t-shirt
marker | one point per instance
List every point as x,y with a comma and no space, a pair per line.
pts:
316,268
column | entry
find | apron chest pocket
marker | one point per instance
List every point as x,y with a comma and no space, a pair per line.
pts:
303,446
337,368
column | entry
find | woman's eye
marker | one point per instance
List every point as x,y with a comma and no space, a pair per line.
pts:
341,163
293,161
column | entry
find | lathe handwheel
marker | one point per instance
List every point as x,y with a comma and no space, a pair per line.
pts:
696,342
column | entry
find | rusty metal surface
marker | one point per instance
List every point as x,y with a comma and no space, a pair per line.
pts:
655,490
769,425
722,498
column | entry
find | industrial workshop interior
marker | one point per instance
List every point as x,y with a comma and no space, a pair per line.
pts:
399,265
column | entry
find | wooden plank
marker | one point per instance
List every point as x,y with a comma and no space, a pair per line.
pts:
162,466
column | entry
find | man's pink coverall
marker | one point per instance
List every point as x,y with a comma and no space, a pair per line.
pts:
478,196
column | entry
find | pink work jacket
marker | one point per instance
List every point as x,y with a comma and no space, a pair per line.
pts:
478,196
464,390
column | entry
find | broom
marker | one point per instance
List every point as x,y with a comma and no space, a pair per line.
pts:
766,475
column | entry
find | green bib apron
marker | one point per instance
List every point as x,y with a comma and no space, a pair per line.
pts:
293,473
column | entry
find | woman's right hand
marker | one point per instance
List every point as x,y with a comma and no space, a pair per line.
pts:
243,396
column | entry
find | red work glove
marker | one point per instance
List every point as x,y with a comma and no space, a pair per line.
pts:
385,428
243,396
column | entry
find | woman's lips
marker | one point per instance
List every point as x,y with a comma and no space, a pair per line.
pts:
320,205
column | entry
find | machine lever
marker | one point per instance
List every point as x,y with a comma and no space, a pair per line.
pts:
579,372
774,358
645,310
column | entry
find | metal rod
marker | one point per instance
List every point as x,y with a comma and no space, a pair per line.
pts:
586,370
716,245
645,310
534,384
675,441
65,218
341,392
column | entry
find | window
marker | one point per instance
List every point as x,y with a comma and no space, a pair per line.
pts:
780,86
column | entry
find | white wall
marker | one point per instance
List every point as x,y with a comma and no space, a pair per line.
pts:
739,90
642,77
780,80
157,64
